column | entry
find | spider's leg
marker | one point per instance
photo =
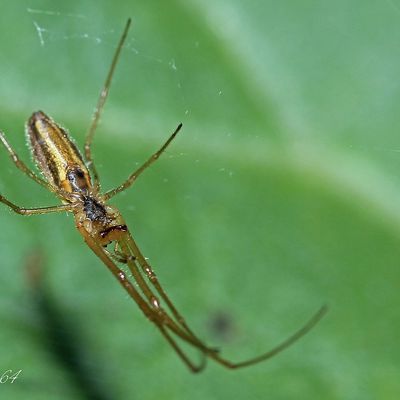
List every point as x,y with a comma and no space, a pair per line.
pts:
182,355
33,211
100,105
212,353
116,255
21,165
129,246
159,319
132,178
150,306
279,348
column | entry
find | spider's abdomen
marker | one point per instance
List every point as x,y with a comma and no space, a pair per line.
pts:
56,155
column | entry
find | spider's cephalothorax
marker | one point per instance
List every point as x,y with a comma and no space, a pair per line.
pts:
94,210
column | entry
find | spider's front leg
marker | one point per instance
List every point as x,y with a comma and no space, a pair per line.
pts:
126,251
153,313
116,255
176,323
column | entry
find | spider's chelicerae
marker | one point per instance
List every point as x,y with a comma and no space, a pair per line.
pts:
76,183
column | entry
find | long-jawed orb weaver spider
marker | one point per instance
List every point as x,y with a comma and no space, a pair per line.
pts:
76,183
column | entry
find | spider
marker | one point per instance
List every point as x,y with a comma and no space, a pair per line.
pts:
76,183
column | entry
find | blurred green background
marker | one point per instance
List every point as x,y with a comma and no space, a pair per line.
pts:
281,194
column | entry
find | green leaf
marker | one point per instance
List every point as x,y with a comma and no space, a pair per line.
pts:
281,194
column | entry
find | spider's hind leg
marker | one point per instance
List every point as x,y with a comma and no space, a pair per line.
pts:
100,105
21,165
